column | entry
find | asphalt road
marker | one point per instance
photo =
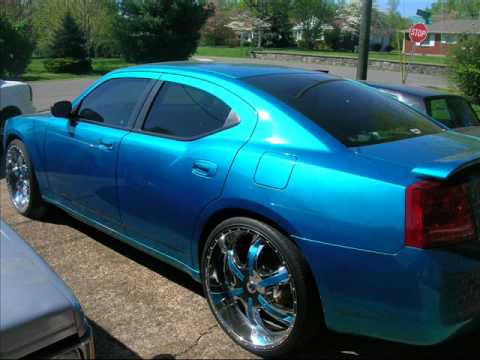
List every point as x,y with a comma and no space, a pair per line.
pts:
45,93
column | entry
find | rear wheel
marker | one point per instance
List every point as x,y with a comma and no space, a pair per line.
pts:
256,282
21,182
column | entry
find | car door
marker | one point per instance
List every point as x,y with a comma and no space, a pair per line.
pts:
176,161
81,153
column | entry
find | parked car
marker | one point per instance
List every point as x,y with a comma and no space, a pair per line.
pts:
453,111
297,198
40,316
15,99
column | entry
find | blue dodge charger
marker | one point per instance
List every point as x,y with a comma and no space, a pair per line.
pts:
297,198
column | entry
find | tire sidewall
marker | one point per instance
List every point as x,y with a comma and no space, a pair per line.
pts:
22,148
296,265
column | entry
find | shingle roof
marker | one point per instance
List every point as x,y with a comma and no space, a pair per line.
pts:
455,27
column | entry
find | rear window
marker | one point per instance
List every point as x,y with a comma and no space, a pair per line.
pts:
353,113
452,111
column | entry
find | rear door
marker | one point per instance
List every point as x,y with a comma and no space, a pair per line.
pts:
176,161
82,153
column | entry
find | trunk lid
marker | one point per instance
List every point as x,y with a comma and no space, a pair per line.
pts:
437,156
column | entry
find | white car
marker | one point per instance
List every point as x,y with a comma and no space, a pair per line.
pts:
15,99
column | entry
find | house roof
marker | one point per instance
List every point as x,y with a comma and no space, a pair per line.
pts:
451,26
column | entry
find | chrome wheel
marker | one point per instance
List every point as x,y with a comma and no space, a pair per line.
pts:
250,288
17,174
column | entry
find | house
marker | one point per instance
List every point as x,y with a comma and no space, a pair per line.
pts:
443,33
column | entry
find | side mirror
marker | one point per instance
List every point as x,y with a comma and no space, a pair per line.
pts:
62,109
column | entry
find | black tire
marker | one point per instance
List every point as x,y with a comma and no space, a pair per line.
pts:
5,114
309,317
37,208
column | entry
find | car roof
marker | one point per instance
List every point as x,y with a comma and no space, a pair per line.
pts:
221,69
415,91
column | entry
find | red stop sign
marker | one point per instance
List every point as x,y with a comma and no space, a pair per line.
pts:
418,33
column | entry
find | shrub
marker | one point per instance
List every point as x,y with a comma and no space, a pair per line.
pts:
16,48
215,33
376,47
465,66
152,30
68,65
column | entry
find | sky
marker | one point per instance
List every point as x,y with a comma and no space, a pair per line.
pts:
407,7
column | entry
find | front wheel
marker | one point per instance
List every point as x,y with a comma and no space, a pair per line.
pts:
21,182
257,285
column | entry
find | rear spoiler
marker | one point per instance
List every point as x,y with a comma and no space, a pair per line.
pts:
445,168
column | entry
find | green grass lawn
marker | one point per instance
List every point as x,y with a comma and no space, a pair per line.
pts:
244,52
36,70
223,51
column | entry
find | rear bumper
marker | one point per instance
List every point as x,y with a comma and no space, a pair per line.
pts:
414,296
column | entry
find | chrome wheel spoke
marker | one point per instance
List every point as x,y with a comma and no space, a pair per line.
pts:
18,178
253,254
281,315
249,287
218,297
234,268
280,277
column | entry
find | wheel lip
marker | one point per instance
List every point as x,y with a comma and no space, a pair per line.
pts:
21,209
239,339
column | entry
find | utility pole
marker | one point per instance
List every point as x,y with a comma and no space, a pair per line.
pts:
364,43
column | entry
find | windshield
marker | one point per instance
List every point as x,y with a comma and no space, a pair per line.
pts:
452,111
353,113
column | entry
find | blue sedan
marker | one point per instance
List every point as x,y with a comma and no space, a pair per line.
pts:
297,198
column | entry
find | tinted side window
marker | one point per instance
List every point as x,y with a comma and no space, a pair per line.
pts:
113,102
353,113
186,112
453,111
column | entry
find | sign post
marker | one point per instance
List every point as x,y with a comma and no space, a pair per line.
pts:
418,33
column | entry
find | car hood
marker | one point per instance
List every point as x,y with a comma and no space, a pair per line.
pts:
37,309
437,156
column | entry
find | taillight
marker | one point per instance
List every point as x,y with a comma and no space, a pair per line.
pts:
438,214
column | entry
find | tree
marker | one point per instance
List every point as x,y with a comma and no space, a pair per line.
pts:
280,33
216,33
16,47
465,66
246,23
458,8
68,49
311,15
94,17
68,40
392,6
151,30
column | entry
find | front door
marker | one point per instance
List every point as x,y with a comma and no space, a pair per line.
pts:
82,152
177,161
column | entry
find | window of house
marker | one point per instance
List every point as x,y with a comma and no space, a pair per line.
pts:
429,41
449,38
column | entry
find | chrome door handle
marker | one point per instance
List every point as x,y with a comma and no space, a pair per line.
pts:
204,168
105,144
